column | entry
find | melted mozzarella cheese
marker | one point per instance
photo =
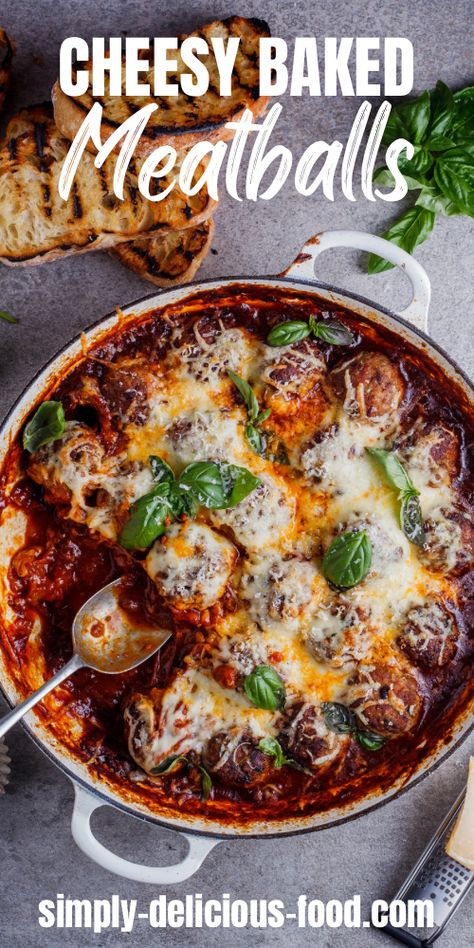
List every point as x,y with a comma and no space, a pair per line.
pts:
285,615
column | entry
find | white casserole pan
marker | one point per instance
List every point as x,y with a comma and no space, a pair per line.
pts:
203,834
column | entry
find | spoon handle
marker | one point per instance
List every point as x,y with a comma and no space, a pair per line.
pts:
13,716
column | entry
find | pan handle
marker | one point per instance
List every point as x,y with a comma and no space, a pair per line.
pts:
416,312
85,804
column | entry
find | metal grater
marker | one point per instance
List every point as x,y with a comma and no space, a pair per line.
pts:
436,877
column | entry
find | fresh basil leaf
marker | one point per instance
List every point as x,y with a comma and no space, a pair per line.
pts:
418,164
348,559
393,469
440,143
265,688
46,425
385,177
462,128
146,520
206,784
272,748
442,110
262,416
238,482
434,200
370,741
169,764
332,331
161,470
338,717
203,479
246,393
410,230
7,317
255,439
284,334
409,120
411,519
454,175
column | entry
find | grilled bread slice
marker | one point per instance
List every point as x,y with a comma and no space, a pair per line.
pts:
37,225
180,120
168,259
7,51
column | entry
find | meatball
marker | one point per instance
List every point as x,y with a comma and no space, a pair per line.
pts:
386,697
293,370
236,656
307,739
261,518
371,387
127,386
429,635
449,546
70,468
431,453
191,565
214,433
141,716
338,634
233,757
280,592
208,351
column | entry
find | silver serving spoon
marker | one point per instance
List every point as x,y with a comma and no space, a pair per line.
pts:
103,639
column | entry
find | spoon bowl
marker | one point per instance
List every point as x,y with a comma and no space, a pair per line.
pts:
105,639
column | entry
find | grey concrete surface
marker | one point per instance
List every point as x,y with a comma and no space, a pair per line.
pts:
371,855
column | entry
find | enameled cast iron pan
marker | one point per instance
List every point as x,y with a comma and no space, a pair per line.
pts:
203,834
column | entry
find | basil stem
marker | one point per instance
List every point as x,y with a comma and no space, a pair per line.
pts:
265,688
206,784
348,559
47,424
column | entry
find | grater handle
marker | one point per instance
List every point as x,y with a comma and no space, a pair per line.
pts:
406,938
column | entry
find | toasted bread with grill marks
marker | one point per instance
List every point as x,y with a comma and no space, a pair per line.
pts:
180,120
167,259
37,225
7,52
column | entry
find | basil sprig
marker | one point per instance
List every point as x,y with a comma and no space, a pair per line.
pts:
411,517
265,688
210,484
171,763
341,720
272,748
47,424
255,417
440,125
348,559
331,331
